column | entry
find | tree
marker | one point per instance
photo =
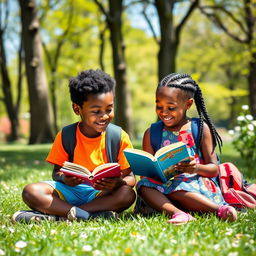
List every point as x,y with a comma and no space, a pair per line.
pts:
12,108
238,20
113,16
41,122
170,31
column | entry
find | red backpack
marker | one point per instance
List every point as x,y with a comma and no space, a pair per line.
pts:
235,190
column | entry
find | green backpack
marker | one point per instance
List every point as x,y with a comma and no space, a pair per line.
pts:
113,137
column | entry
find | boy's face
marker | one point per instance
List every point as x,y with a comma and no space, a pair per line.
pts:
96,113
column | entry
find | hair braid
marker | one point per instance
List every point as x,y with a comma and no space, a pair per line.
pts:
186,83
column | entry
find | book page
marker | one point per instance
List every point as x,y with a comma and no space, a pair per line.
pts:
141,152
168,148
76,167
103,167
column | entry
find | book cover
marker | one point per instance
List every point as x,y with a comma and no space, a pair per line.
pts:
159,166
109,170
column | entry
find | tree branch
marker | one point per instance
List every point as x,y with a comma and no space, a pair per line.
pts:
217,21
193,5
228,13
101,7
144,13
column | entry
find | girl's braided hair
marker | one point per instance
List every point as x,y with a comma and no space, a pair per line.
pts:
187,84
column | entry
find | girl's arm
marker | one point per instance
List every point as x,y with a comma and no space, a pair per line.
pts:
210,166
146,143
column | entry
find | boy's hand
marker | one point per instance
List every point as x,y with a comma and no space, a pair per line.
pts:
188,167
108,184
71,181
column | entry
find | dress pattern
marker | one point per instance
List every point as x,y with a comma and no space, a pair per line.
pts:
185,182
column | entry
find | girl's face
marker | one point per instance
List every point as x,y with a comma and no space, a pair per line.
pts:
171,106
96,113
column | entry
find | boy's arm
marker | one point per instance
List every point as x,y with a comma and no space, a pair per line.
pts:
57,175
128,177
146,144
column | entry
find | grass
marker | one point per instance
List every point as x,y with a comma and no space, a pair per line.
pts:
130,235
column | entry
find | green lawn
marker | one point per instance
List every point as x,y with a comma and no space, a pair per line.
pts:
130,235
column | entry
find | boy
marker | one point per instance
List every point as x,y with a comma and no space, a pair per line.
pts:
92,96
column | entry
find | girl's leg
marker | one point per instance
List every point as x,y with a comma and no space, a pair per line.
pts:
158,201
194,201
198,202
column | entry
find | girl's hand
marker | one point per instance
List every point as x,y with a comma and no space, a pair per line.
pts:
188,167
71,181
108,184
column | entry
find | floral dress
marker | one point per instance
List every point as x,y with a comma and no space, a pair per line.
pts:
185,182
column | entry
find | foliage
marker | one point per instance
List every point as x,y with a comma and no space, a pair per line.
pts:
245,138
130,235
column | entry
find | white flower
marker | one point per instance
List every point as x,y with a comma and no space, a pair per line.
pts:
96,253
2,252
254,122
245,107
249,117
87,248
237,128
250,127
21,244
233,254
54,232
231,132
83,235
240,118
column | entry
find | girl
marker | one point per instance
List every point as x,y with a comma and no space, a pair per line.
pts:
195,189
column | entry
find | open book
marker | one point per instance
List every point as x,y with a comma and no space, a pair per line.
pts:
109,170
160,166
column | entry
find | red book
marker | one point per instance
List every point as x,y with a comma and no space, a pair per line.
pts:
109,170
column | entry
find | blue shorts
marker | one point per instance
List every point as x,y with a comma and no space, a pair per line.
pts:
78,195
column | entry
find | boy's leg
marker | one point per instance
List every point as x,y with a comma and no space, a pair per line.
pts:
43,198
117,200
158,201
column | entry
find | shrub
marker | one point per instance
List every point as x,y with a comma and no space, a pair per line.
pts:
245,137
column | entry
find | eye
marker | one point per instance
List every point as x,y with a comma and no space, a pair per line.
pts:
171,108
158,107
109,110
96,112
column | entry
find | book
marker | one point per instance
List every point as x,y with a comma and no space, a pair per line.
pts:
161,165
109,170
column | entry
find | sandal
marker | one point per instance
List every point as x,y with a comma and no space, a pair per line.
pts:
181,218
227,212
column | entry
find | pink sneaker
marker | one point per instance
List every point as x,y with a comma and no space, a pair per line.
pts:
181,218
227,212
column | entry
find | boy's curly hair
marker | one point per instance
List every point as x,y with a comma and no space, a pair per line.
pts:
89,82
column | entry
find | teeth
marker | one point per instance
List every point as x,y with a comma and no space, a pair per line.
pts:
167,118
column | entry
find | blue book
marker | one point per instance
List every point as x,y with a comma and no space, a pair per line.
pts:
160,166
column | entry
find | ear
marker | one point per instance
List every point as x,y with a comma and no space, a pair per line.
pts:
76,109
189,103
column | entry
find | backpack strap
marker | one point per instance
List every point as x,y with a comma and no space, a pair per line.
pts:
156,135
68,137
195,126
113,138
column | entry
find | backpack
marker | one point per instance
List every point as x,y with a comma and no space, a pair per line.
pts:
113,138
236,191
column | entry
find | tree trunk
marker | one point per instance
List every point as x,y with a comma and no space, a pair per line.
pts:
41,122
7,94
123,108
170,35
252,84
